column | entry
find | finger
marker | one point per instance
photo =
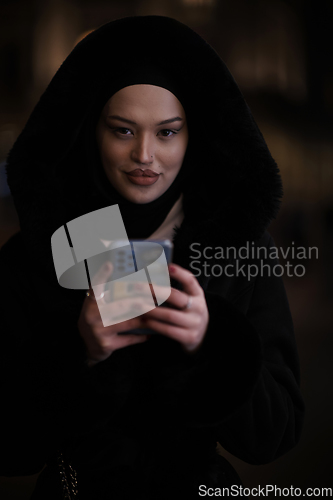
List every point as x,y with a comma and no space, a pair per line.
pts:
186,278
121,341
179,298
172,331
99,279
112,342
177,318
124,309
123,326
176,298
120,311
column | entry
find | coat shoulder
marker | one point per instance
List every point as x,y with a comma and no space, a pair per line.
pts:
12,244
12,258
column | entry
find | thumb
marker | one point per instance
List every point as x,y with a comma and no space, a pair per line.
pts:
101,277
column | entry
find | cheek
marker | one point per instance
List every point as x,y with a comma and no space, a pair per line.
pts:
174,155
111,153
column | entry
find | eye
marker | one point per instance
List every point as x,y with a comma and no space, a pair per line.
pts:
122,130
166,132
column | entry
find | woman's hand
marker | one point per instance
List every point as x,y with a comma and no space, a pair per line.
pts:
187,326
101,341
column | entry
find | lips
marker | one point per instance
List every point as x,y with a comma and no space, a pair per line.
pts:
142,173
142,180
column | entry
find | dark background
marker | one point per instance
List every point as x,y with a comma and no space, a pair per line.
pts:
280,53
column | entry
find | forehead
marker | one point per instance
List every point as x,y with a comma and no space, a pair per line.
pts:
144,97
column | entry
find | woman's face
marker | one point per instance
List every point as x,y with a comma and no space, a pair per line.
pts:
142,127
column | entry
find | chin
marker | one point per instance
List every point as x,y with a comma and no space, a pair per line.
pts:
140,197
144,198
140,194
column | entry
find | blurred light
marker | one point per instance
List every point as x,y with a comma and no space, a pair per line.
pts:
305,162
8,134
56,29
267,51
82,36
195,3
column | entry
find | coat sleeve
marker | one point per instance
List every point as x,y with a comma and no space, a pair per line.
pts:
269,423
243,383
47,391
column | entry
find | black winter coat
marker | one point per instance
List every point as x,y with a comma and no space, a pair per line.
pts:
145,423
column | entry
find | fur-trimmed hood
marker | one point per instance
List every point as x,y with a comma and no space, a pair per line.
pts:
233,206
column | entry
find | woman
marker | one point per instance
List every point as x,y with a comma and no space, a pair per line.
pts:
140,416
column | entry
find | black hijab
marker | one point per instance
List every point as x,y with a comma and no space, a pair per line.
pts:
230,183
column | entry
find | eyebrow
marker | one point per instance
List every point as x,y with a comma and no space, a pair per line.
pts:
170,120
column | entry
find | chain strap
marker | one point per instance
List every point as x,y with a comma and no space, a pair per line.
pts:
68,481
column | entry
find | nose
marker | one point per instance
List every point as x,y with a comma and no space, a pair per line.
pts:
142,151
